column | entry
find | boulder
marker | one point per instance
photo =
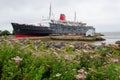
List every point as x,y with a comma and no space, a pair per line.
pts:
37,42
58,45
54,44
79,45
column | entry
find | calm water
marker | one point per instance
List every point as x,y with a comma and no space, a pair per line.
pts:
111,37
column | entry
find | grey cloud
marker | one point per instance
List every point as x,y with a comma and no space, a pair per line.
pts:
94,12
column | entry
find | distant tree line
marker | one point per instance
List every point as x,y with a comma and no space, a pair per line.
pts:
5,32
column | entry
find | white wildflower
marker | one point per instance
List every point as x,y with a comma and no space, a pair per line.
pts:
58,74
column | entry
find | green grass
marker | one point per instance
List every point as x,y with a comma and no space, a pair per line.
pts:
41,63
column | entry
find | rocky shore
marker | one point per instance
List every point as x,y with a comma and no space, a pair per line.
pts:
77,38
57,44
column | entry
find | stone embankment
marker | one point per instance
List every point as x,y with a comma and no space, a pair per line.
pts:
58,44
78,38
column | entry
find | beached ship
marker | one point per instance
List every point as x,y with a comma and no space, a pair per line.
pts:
30,30
60,26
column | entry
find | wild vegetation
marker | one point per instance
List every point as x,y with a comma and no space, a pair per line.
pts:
36,60
5,32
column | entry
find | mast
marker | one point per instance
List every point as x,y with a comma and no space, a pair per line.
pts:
50,11
75,16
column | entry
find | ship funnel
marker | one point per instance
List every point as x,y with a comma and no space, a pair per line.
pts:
62,17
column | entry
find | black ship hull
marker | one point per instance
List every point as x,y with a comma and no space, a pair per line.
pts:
31,30
60,26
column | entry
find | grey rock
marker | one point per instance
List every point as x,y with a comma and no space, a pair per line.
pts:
58,44
37,43
48,45
93,46
54,44
79,45
23,42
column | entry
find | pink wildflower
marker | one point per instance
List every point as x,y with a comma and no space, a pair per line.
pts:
56,54
17,59
118,77
95,56
85,51
114,60
80,76
88,51
81,70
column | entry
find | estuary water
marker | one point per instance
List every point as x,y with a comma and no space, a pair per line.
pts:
111,38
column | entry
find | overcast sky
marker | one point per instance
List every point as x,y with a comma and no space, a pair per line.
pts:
104,15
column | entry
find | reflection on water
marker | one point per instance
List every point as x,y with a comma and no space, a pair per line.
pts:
111,38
